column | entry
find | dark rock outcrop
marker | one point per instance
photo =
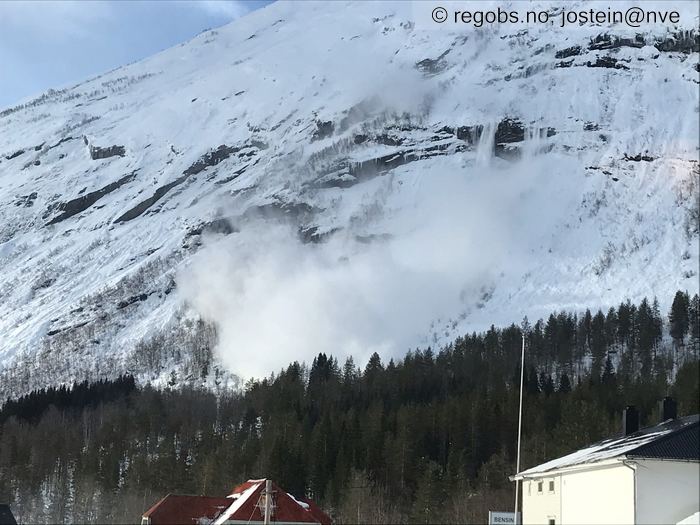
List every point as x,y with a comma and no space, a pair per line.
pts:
82,203
432,66
568,52
212,158
65,139
297,211
222,226
469,134
349,174
131,300
15,154
323,130
606,61
26,201
388,140
145,204
509,130
606,41
97,152
640,157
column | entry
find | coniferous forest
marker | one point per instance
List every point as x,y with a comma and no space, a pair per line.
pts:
429,438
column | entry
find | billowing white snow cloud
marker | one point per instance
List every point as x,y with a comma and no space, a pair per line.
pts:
275,299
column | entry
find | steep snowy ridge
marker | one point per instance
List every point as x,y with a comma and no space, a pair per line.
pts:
342,121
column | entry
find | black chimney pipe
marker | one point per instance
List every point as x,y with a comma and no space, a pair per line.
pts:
668,409
630,420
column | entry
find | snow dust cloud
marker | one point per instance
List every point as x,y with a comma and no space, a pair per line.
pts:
275,299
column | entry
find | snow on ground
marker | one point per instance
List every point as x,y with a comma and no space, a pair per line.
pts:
346,136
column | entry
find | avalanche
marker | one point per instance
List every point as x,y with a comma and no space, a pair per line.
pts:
368,180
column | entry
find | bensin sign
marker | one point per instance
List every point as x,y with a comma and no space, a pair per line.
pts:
503,518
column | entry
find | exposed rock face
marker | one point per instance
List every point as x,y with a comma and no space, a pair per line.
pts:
607,41
26,200
639,157
469,134
80,204
15,154
568,52
323,130
687,41
62,141
222,226
509,130
211,158
131,300
97,152
142,206
606,61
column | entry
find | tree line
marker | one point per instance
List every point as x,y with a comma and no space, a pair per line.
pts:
428,438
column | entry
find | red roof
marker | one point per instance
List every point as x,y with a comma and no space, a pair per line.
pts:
285,507
316,511
243,504
180,510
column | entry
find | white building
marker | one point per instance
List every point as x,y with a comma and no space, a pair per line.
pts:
646,476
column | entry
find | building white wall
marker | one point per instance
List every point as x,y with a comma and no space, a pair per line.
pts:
664,492
540,507
602,494
667,491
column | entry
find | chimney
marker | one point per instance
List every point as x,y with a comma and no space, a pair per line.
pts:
668,409
630,420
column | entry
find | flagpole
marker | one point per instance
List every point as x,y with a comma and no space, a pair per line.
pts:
520,426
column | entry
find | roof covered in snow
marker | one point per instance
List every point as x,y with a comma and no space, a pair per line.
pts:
690,520
248,506
245,504
674,439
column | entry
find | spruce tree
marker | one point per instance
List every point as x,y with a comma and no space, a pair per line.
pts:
679,320
694,324
598,346
564,384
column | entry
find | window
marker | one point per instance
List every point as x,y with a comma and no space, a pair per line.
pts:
551,486
540,486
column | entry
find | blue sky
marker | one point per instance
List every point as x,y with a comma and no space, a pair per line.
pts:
53,44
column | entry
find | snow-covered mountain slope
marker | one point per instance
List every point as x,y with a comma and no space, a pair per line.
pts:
332,176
